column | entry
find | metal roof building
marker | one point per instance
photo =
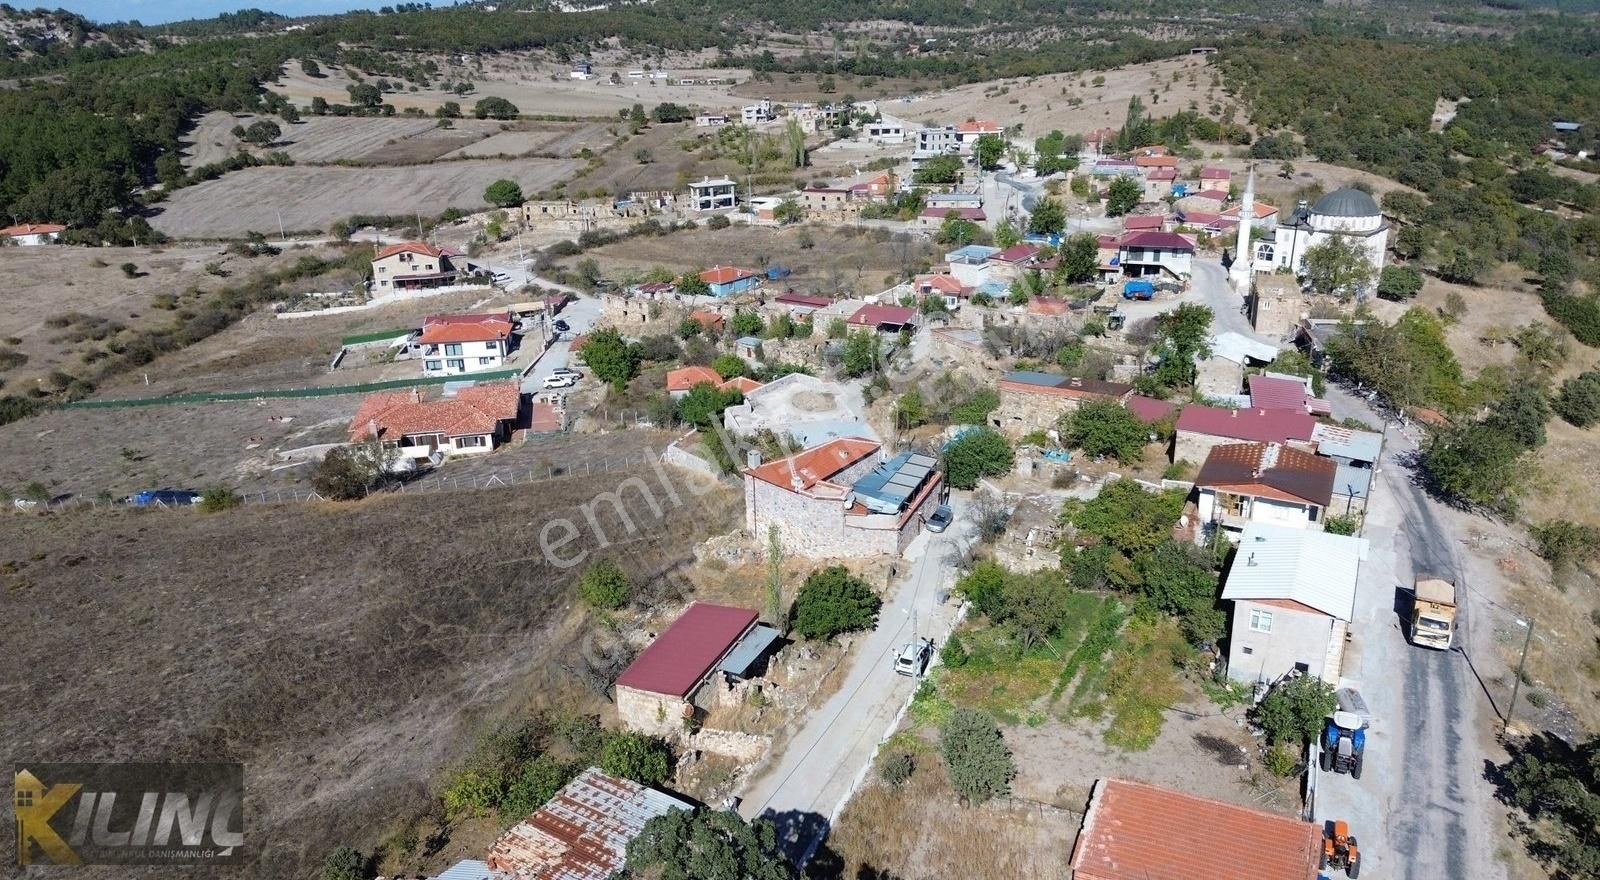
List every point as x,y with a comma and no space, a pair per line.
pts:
583,832
890,485
681,657
1316,569
1347,444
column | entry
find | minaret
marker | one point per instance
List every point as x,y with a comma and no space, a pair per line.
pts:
1243,256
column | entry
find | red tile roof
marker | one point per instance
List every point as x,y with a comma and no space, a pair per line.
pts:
1134,222
725,274
1148,409
741,384
1255,425
413,247
438,329
708,320
1267,392
1269,470
1156,161
800,299
1138,831
978,126
1162,174
684,378
872,316
477,409
1017,253
681,656
1157,239
1218,195
33,229
803,470
1214,173
947,284
1261,211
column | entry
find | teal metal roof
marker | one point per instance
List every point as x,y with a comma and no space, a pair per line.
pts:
749,650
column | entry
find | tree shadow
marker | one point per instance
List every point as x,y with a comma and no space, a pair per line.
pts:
800,833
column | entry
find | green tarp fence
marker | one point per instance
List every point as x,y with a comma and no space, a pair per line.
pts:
320,391
375,336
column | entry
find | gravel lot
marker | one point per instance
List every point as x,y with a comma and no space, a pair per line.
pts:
313,198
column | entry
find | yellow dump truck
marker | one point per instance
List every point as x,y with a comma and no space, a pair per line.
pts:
1433,613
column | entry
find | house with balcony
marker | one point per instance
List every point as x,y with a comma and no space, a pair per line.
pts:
713,194
1242,483
1155,253
413,265
451,345
467,421
970,265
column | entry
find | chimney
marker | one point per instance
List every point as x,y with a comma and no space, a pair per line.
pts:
752,457
1077,382
416,394
1233,413
1251,560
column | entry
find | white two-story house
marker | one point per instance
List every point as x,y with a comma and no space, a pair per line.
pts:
452,344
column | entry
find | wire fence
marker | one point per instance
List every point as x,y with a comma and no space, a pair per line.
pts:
314,391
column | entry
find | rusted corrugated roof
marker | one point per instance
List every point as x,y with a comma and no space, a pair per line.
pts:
583,832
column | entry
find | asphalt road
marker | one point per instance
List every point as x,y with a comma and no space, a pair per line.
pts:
816,768
1422,809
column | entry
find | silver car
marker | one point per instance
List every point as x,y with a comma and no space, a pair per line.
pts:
941,519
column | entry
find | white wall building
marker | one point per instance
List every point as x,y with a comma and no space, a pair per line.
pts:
30,234
757,113
713,194
1346,213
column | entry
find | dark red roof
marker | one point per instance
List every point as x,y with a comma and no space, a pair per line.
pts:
873,316
1157,239
1255,425
1137,222
1148,409
1268,392
800,299
1138,831
680,657
1016,253
1269,470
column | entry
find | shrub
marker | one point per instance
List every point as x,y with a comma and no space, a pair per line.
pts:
719,221
977,454
1280,761
644,759
1293,712
896,768
1399,282
1340,525
604,586
219,498
976,755
344,863
534,786
131,270
1105,428
954,652
1579,400
833,601
350,472
1563,543
473,793
729,365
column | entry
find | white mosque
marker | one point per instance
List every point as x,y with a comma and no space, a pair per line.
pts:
1346,213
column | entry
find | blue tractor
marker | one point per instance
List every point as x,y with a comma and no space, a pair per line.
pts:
1344,744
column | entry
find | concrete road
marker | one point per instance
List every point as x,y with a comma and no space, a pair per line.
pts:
1208,285
813,772
580,315
1422,809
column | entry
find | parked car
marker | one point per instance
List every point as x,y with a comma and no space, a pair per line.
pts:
941,519
913,658
561,326
566,371
559,381
502,278
150,497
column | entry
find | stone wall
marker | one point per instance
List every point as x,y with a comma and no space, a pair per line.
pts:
649,713
1021,413
746,747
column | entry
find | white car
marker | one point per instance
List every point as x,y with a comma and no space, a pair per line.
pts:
559,381
566,371
913,658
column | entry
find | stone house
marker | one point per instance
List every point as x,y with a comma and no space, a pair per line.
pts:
1202,428
1277,306
1031,401
671,681
841,499
1292,593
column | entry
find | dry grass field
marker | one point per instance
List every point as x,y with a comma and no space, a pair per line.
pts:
314,197
1042,103
64,302
345,679
554,140
328,139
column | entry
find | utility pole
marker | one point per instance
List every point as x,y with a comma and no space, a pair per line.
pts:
1516,686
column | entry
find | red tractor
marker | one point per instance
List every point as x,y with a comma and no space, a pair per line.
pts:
1339,850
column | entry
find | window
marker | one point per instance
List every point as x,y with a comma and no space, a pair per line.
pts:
382,269
456,364
1260,621
430,365
1247,650
485,361
476,440
452,349
492,346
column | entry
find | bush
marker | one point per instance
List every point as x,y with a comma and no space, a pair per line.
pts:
977,454
729,365
833,601
473,793
976,756
219,498
604,586
1280,761
130,270
954,652
1105,428
1293,712
1399,282
350,472
1340,525
344,863
1579,400
896,768
1563,543
644,759
720,221
534,786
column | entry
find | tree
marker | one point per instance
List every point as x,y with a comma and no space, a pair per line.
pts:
788,211
344,863
610,357
1105,428
1127,517
730,365
1184,335
837,328
669,112
984,587
319,106
1521,413
310,67
503,194
957,231
364,94
691,284
747,323
706,845
1080,258
1558,786
989,149
909,410
704,403
1399,282
350,472
289,113
1475,464
1047,217
1034,606
1579,400
262,132
794,140
977,454
1293,712
643,759
448,110
495,108
938,170
604,585
1123,195
861,352
1178,580
1006,234
975,754
1337,267
833,601
637,117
